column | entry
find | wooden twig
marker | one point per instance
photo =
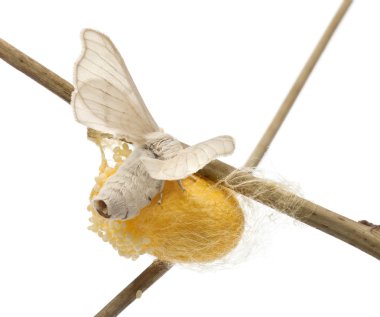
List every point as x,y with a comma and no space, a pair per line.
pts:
280,116
150,275
36,71
41,75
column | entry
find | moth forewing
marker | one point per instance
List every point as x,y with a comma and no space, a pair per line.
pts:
106,99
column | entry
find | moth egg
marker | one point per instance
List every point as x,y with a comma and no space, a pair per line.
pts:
139,294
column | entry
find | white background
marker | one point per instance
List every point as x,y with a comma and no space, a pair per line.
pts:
204,68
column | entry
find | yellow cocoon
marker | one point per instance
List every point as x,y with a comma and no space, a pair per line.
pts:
201,224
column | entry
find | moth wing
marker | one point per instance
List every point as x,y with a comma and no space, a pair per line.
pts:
189,160
105,97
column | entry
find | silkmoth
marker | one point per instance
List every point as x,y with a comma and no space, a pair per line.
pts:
106,99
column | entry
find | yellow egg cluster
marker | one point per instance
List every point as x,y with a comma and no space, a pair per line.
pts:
198,225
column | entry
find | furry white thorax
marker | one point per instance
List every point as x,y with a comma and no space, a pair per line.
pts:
162,145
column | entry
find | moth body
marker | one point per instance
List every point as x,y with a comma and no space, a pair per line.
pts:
129,190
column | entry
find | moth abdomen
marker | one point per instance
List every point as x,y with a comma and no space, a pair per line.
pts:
127,191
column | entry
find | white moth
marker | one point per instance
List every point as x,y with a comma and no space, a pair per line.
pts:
106,99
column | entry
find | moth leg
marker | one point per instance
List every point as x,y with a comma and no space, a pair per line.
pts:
161,193
179,182
193,178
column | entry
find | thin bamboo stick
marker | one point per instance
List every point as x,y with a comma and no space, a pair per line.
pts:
42,75
150,275
36,71
265,141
